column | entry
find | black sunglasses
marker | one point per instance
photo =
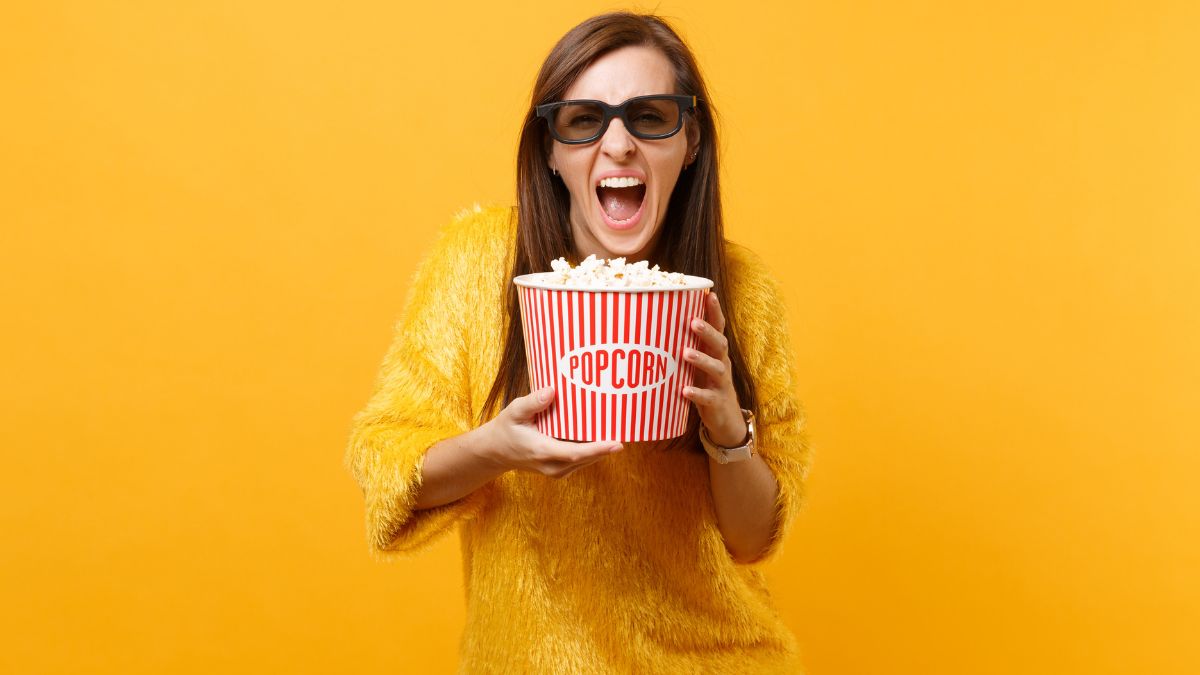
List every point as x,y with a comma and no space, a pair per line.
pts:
647,117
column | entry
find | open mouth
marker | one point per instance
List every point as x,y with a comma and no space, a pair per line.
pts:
621,199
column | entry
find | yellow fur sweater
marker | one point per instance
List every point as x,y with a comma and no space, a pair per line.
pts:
618,568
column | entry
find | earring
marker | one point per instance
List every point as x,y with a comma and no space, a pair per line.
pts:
554,171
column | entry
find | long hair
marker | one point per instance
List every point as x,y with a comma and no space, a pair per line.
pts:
692,240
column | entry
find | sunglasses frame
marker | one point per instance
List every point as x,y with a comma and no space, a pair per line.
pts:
547,110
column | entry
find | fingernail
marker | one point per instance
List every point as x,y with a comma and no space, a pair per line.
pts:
616,448
697,323
544,394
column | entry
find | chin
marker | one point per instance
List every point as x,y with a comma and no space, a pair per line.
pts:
623,247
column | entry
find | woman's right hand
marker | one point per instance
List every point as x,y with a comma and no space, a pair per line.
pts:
519,445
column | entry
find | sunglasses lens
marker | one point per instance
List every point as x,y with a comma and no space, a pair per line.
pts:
646,118
577,121
653,117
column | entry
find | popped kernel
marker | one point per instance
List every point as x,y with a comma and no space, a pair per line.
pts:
596,272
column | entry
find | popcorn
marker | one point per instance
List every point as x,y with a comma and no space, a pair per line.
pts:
611,335
610,273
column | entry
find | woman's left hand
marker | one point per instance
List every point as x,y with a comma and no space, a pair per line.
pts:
712,391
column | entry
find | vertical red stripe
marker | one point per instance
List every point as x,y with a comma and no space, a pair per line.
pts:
635,413
685,331
561,382
622,310
535,348
644,319
652,318
681,326
609,336
691,340
539,300
589,299
675,339
592,318
604,317
581,340
633,339
672,319
528,330
656,397
665,397
633,398
593,435
524,324
664,302
655,394
680,334
625,431
577,397
531,327
560,388
548,359
664,393
552,362
600,423
652,300
568,388
626,303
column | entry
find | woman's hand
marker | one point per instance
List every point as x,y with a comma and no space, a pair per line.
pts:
519,445
712,391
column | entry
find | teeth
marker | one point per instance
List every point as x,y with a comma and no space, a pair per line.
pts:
620,182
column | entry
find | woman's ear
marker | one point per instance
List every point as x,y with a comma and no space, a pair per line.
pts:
549,154
692,129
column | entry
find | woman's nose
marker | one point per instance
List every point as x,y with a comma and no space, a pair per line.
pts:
617,142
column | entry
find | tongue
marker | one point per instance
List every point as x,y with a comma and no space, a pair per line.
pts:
621,203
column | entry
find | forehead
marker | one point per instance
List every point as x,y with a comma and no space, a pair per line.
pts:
623,74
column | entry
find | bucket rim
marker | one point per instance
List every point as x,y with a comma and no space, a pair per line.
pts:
536,280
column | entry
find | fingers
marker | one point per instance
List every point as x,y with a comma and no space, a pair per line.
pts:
714,313
714,368
710,337
701,397
524,408
572,452
565,458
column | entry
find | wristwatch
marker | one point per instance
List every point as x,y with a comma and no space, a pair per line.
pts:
727,455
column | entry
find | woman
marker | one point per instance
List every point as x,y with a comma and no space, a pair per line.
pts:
593,557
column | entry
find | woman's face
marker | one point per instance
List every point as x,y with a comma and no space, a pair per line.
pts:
609,221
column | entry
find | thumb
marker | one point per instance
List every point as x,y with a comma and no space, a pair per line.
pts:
526,407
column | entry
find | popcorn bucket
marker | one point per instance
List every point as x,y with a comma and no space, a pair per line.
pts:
613,355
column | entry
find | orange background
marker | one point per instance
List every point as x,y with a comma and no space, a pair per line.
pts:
984,217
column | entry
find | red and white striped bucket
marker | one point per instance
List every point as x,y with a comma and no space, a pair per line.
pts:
614,356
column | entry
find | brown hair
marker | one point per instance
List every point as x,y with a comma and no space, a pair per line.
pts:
692,240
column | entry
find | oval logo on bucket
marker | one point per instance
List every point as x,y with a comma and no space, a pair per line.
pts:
617,368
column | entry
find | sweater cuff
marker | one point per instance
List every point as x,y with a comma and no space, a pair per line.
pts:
391,481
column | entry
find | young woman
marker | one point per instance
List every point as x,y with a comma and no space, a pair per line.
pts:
595,557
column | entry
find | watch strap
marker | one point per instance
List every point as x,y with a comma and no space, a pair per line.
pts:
727,455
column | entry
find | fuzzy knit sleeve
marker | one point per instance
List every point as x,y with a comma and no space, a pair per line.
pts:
421,397
781,423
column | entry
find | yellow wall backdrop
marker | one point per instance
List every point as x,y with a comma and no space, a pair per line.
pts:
985,217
